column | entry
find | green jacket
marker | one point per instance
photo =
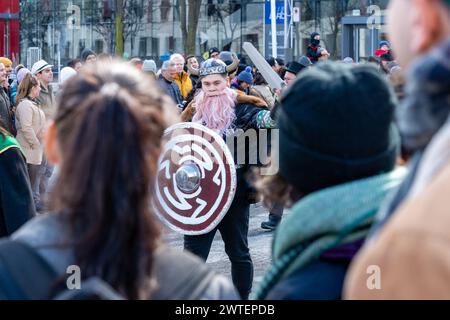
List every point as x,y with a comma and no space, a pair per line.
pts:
7,142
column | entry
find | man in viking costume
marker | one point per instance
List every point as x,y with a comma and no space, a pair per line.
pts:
216,106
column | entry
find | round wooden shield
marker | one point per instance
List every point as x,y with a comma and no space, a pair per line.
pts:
196,179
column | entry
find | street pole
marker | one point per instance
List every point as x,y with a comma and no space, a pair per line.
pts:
58,39
285,24
291,26
7,38
273,23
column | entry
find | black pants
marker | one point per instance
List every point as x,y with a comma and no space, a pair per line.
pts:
276,213
234,231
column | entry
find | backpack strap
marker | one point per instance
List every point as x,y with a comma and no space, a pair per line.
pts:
24,274
180,276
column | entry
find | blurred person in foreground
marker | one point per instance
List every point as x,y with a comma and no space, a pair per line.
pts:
337,157
106,139
16,201
409,244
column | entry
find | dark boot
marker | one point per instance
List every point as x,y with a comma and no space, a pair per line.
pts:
272,223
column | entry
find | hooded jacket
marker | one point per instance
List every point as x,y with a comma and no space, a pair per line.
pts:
312,51
184,83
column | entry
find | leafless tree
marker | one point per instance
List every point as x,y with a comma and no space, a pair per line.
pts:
222,11
189,15
133,15
102,22
335,12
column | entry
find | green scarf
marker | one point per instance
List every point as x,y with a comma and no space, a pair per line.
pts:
323,220
7,142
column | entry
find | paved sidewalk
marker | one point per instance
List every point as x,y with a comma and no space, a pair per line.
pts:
260,242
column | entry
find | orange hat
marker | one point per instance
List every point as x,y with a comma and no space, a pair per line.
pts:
6,61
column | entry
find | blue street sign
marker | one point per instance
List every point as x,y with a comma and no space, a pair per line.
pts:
279,12
279,5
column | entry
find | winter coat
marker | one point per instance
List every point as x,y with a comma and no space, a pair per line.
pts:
410,253
315,243
46,101
172,90
410,250
263,92
184,83
13,92
46,234
380,52
31,126
313,53
5,112
194,79
16,201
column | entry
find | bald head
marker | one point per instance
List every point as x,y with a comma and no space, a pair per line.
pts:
416,26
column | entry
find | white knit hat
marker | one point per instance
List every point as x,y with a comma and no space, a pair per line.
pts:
66,73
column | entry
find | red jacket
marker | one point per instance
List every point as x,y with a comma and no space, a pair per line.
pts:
380,52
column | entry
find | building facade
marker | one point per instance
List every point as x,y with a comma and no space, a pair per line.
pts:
58,30
9,28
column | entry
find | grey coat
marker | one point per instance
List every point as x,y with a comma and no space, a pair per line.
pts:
47,234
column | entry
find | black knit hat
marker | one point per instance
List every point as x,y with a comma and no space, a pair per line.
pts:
313,35
86,53
213,50
336,125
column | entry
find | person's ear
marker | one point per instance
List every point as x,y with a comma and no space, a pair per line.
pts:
51,144
426,24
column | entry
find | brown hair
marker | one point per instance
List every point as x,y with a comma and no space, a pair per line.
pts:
28,83
110,120
274,190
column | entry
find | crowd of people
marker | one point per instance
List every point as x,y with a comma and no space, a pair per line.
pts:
363,168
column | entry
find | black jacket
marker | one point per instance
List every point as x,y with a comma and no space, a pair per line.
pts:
247,153
321,280
16,201
5,112
313,53
172,90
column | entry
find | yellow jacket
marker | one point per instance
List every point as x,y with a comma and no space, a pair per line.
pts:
184,83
